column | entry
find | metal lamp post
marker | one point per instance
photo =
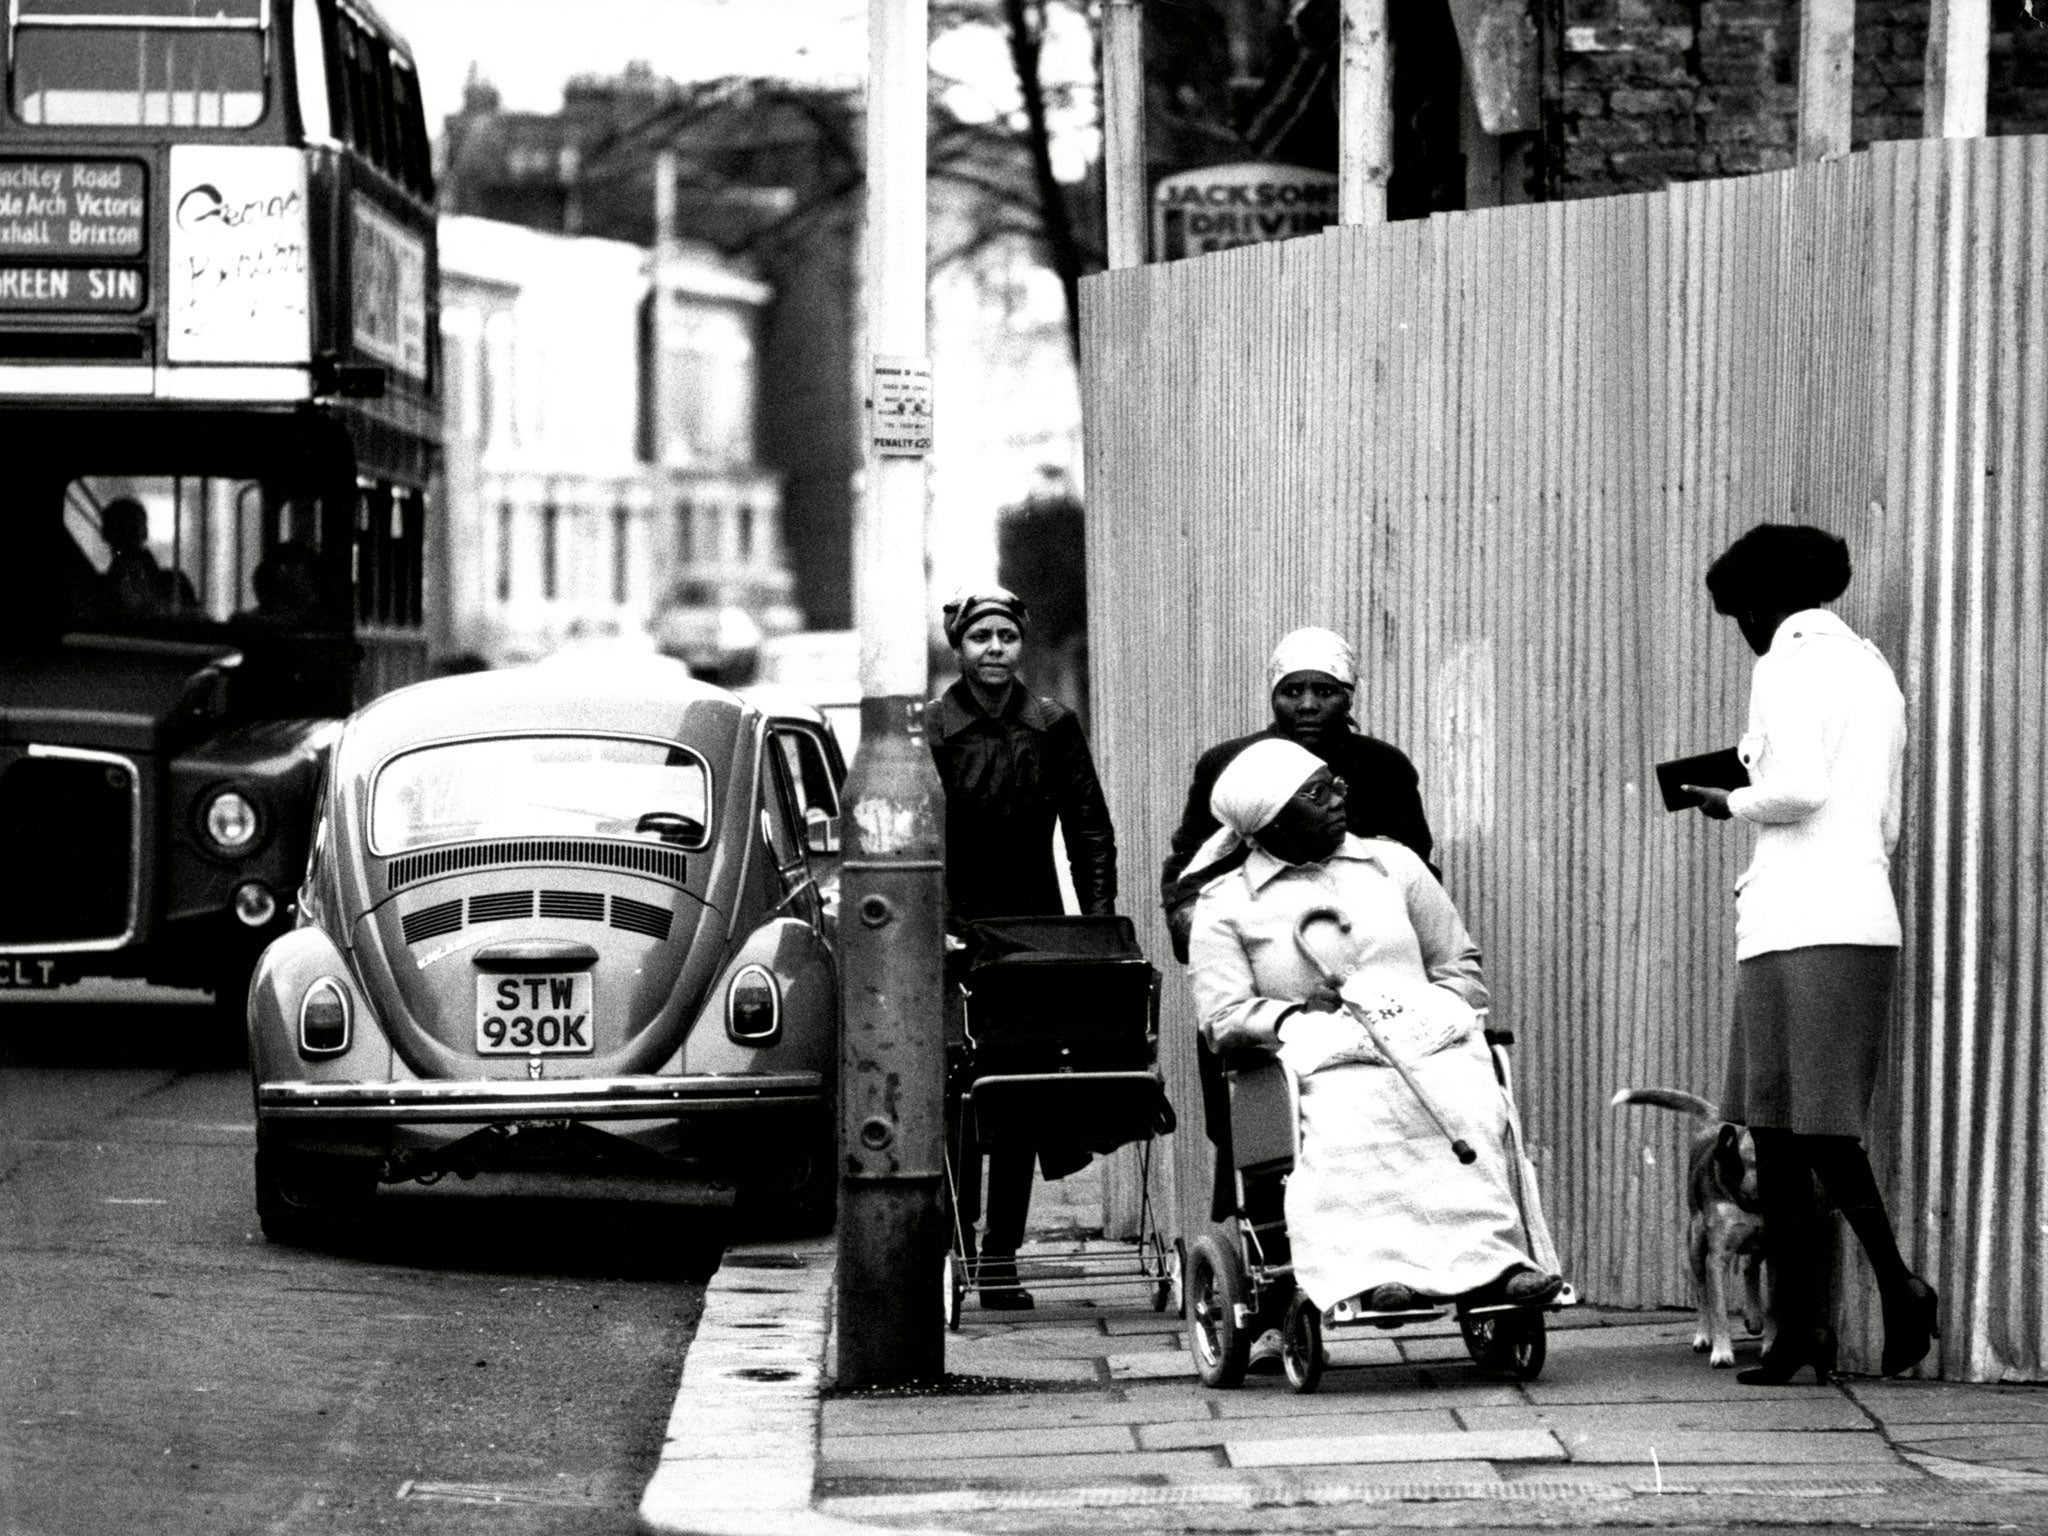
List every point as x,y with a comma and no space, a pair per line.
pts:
892,892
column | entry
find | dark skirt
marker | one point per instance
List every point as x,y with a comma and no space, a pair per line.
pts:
1808,1036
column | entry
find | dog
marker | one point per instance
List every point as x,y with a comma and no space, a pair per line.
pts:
1727,1230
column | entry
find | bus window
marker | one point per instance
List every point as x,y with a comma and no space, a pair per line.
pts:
183,548
138,63
313,71
390,556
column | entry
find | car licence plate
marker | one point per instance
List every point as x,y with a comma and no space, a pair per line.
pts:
535,1014
30,973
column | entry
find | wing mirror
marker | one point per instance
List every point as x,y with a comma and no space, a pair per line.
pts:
821,832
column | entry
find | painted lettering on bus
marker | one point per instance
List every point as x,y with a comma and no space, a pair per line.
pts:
117,288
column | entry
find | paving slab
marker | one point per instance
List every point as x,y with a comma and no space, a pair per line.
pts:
967,1361
1816,1411
2027,1450
1141,1323
1455,1445
1738,1448
1932,1402
1103,1470
884,1416
967,1444
1157,1366
1359,1393
1189,1433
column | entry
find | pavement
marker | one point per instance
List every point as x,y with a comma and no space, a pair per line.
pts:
1086,1413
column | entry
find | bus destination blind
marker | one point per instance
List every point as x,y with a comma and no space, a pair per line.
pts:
56,212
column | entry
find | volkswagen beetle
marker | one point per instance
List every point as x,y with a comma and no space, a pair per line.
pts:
557,920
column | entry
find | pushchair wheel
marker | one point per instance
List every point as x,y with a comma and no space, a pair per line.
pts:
1217,1336
1512,1343
1166,1264
1301,1345
955,1278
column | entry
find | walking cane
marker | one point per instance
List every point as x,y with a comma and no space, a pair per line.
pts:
1459,1146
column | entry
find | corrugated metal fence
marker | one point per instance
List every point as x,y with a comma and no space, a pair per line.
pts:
1499,450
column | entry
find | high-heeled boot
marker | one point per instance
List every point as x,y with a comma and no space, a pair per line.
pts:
1910,1306
1791,1353
1911,1324
1784,1192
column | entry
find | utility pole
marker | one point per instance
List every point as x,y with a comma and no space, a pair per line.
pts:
1958,69
1827,60
1123,132
892,881
1365,112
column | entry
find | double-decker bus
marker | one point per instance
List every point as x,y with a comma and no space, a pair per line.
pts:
218,450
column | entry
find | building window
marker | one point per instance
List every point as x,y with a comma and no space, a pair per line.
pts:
504,551
550,551
622,573
686,532
746,535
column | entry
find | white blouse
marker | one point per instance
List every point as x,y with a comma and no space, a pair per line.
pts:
1825,750
1247,974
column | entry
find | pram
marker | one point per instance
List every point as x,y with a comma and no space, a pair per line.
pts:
1237,1289
1053,1041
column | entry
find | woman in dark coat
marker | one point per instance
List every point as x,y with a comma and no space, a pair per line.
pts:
1012,764
1816,932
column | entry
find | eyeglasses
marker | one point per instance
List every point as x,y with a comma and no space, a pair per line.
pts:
1323,792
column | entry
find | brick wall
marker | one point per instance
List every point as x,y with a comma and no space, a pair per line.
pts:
1656,91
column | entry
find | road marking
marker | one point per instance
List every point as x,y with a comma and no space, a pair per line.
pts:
132,1200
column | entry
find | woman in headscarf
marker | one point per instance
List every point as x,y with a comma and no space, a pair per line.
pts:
1310,682
1012,764
1816,933
1377,1205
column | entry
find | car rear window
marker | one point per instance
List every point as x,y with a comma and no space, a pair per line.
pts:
540,786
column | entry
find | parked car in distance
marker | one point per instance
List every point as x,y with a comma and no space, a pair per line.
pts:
559,919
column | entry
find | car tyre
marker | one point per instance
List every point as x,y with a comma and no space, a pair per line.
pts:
303,1197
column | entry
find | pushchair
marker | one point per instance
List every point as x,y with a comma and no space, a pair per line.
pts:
1052,1040
1238,1287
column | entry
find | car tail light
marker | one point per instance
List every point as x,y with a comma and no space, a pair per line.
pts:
324,1019
753,1006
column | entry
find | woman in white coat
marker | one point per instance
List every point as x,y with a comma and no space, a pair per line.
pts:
1377,1206
1816,931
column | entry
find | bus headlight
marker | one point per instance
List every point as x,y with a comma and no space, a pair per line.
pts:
231,821
324,1019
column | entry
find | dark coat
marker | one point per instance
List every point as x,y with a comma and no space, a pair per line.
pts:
1007,777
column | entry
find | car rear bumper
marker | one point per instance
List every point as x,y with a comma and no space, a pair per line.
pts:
722,1096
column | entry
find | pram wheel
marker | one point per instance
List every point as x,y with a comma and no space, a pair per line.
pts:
1166,1265
1512,1343
1216,1297
1301,1345
955,1279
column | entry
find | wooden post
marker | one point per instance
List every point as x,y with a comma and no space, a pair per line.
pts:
1827,58
1958,69
1365,113
1123,132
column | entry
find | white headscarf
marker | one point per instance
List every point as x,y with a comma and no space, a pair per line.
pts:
1313,650
1251,791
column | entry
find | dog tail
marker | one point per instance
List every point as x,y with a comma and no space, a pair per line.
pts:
1668,1098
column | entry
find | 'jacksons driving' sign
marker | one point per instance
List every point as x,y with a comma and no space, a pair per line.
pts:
1220,206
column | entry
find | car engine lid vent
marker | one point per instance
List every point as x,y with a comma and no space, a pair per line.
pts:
641,917
500,906
581,906
432,922
662,863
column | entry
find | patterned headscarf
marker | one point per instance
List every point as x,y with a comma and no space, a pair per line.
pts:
1313,650
972,603
1251,791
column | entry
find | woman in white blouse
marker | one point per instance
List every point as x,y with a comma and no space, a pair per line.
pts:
1816,931
1376,1206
